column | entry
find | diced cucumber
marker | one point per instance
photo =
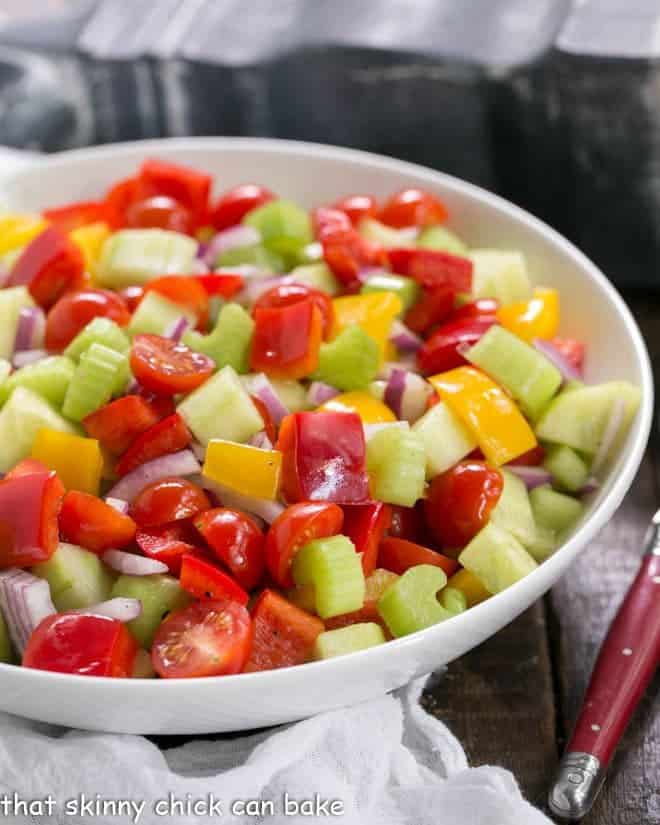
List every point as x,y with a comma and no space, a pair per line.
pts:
544,544
513,511
500,274
97,376
291,393
229,343
524,372
407,289
569,470
413,601
98,331
156,314
159,595
335,570
24,414
554,511
445,438
49,378
579,418
496,558
254,255
5,370
77,578
221,408
396,461
441,239
12,301
135,256
318,276
381,234
349,362
285,227
6,651
348,639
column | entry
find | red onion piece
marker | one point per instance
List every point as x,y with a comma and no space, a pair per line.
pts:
182,463
318,393
117,504
610,433
132,565
31,329
176,329
261,441
567,370
236,236
264,390
403,338
590,486
21,358
406,394
25,601
532,476
199,267
261,507
120,608
199,451
256,286
396,384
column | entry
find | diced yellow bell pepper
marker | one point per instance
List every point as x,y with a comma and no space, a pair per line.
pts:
77,460
370,409
536,318
90,239
18,230
374,312
470,587
248,470
494,420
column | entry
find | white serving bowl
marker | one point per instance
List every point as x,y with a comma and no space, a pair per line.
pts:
592,311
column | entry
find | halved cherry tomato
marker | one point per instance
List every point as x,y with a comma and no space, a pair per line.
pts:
49,266
346,252
132,295
205,581
264,412
287,340
460,501
167,500
398,555
572,350
75,310
74,215
432,268
476,310
237,541
210,638
159,212
432,308
168,543
117,424
232,206
188,187
226,285
167,436
186,291
365,525
358,207
168,367
294,528
408,523
29,508
327,220
413,207
86,644
91,523
442,351
286,295
532,458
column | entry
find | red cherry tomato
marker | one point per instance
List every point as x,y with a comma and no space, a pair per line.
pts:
159,212
413,207
572,350
232,206
204,580
167,367
210,638
168,543
398,555
186,291
91,523
285,295
358,207
476,310
346,252
188,187
408,523
432,308
237,542
168,500
117,200
294,528
327,220
460,501
132,295
75,310
167,436
365,525
442,351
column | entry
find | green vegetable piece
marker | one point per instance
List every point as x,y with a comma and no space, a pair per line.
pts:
291,393
445,438
159,595
136,256
500,274
6,650
98,331
441,239
318,276
285,228
569,470
554,511
381,234
49,378
229,343
513,511
12,301
453,600
396,461
407,289
255,255
76,577
349,362
544,544
98,375
348,639
496,558
333,567
155,315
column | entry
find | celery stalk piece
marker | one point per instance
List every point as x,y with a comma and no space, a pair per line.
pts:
49,378
317,275
221,408
76,577
496,558
569,470
349,362
229,342
335,570
397,466
12,301
445,438
98,331
255,255
136,256
441,239
554,511
452,599
500,274
413,602
158,594
381,234
407,290
99,373
348,639
284,226
156,314
513,511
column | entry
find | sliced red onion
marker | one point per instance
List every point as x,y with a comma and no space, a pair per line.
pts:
318,393
406,394
25,601
264,391
232,238
132,565
176,329
199,451
610,433
31,329
590,486
199,267
567,370
403,338
370,430
117,504
120,608
261,441
394,389
21,358
261,507
532,476
182,463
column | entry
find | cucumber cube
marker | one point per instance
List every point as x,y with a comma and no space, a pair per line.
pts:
347,640
544,544
98,331
500,274
318,276
407,289
569,470
554,511
285,227
513,512
445,438
333,567
229,343
156,314
380,233
12,301
49,378
349,362
159,596
255,255
76,577
441,239
496,558
396,461
136,256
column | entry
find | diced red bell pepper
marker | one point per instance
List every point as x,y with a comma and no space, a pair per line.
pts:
365,525
189,187
74,215
49,266
346,252
167,436
203,580
169,543
408,523
226,285
481,308
432,268
88,645
442,351
117,424
431,309
287,340
413,207
29,508
91,523
27,467
398,555
118,200
323,458
186,291
283,633
232,206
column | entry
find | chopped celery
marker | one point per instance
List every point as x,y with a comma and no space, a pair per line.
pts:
500,274
76,577
407,289
12,301
255,255
318,276
135,256
544,544
569,470
335,570
496,558
156,314
229,342
348,639
554,511
381,234
523,371
513,511
159,595
349,362
445,438
441,239
285,227
412,602
49,378
94,381
397,466
98,331
452,599
221,408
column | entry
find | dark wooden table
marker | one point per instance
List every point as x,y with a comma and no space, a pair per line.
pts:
512,701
